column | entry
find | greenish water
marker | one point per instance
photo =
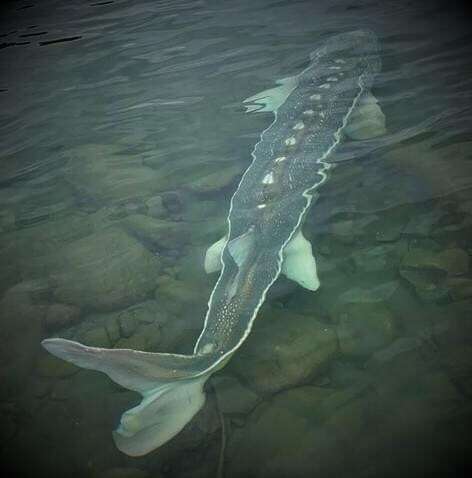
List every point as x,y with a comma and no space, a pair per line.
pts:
120,150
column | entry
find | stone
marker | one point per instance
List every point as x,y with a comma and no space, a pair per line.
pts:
452,261
19,340
233,397
284,350
145,337
155,207
180,296
379,293
363,328
382,258
457,361
105,271
52,367
36,248
460,288
214,177
349,230
106,173
95,336
428,270
128,325
127,473
157,233
112,328
61,315
198,209
300,432
173,202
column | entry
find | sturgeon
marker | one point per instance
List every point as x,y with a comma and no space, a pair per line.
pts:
314,112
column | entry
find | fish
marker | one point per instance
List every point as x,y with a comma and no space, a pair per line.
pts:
328,103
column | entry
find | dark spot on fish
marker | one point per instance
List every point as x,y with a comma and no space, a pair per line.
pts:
24,7
25,35
59,40
3,90
100,3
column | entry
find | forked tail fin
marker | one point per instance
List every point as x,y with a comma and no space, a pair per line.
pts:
171,386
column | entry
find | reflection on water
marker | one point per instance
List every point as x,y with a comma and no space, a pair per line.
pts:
122,139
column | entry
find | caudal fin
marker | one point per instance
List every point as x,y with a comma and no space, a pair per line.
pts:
171,386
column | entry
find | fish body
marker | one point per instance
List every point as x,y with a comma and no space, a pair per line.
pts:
313,113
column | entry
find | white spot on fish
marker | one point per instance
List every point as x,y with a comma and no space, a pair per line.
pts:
261,206
339,61
280,159
268,178
207,349
315,97
331,78
290,141
334,67
325,86
308,113
300,125
322,115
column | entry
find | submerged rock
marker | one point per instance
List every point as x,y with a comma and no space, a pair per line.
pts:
126,473
20,338
452,261
137,327
106,270
383,258
459,288
363,328
284,350
301,432
214,177
157,233
428,270
104,172
61,315
233,397
155,207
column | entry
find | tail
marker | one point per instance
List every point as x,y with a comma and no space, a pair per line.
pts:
171,386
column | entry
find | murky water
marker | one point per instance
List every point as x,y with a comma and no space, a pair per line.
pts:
123,137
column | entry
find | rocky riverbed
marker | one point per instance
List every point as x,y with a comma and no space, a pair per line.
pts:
328,383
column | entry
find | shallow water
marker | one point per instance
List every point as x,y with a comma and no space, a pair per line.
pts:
120,148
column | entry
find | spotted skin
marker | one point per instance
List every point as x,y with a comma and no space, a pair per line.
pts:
294,152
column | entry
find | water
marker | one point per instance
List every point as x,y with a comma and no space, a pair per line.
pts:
120,150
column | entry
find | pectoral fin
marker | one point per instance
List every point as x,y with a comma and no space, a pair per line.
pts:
299,264
213,256
273,98
367,120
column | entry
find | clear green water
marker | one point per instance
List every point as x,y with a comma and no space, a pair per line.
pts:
119,153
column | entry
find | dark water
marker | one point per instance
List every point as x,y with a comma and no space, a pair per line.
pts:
123,137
